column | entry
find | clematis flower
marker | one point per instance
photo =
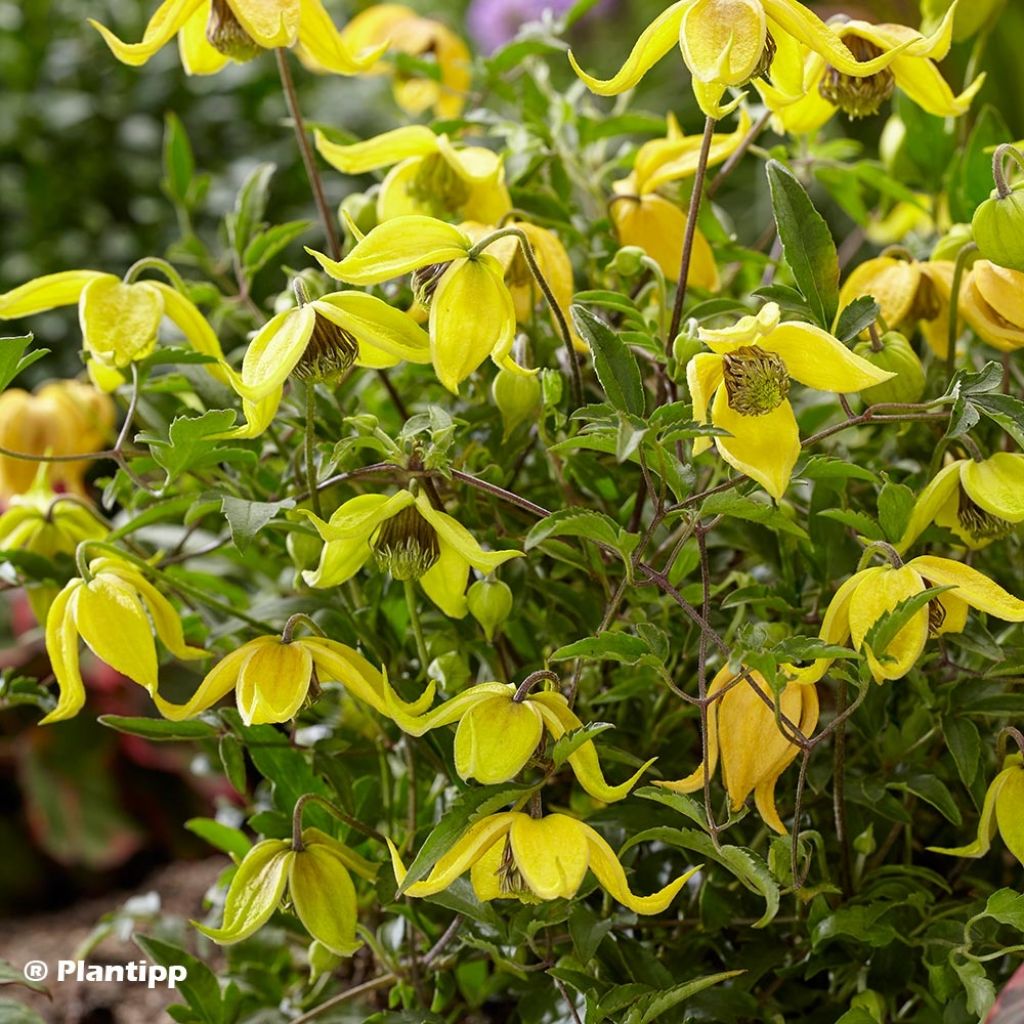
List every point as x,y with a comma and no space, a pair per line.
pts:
109,612
869,594
497,735
909,293
1002,811
410,539
645,218
754,750
65,417
212,32
992,303
513,856
429,174
120,321
319,886
742,385
729,43
472,312
272,678
978,501
914,72
402,30
320,341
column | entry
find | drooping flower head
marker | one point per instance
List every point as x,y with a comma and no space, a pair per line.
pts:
744,734
992,303
212,32
742,386
729,43
514,856
410,539
430,175
977,501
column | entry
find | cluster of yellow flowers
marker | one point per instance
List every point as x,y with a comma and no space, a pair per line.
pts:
444,215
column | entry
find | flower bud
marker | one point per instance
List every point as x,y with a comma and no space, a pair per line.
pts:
518,398
896,355
628,261
490,603
321,960
999,222
948,247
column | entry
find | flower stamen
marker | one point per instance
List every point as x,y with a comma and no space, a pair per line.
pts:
756,381
330,352
425,281
980,524
407,545
225,34
858,97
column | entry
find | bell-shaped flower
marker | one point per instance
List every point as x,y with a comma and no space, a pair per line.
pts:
645,218
426,40
978,501
870,594
472,313
993,305
742,387
319,341
429,175
410,539
212,32
914,72
116,612
318,882
66,417
120,321
909,293
753,748
497,735
729,43
1002,812
272,678
514,856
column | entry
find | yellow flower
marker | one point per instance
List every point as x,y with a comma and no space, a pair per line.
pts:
109,612
513,856
212,32
319,341
429,174
410,539
1003,811
908,293
271,678
319,886
472,313
645,218
729,43
742,385
978,501
913,71
497,735
903,219
869,594
754,751
120,321
992,303
404,31
65,417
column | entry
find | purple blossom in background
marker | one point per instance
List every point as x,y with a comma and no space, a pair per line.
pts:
492,23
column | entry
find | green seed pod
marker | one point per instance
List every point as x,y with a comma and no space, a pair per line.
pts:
490,603
518,398
897,356
999,221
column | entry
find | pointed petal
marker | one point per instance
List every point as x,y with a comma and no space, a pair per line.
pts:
986,826
923,83
723,41
703,378
997,485
835,629
485,874
695,780
270,23
765,448
452,533
275,351
396,247
168,18
550,853
818,360
496,738
120,322
198,57
971,586
880,592
339,561
324,897
1010,810
954,613
675,161
62,650
892,283
939,490
218,682
417,723
191,322
375,324
655,41
445,582
49,292
383,150
321,41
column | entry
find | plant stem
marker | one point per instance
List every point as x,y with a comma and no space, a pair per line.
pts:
954,307
311,488
839,792
417,626
733,162
691,228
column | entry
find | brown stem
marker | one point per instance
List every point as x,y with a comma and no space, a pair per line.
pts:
839,793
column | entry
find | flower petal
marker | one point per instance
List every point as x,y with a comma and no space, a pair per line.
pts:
275,351
168,18
971,586
273,683
1009,802
48,292
120,322
451,532
495,739
818,360
704,374
723,41
323,44
324,897
835,629
190,321
880,591
695,780
445,582
550,853
939,490
383,150
997,484
922,81
270,23
987,825
375,324
198,57
892,283
217,683
62,650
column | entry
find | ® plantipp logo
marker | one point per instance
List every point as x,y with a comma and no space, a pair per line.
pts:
136,972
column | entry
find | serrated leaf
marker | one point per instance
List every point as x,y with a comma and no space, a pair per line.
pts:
1007,907
895,504
191,444
967,383
13,359
739,506
200,987
887,626
247,518
616,366
1005,410
858,316
568,744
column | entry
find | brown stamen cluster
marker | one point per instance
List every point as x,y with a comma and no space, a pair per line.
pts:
407,545
858,97
756,381
226,35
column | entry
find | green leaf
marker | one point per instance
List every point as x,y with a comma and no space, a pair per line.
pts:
807,243
858,316
606,646
159,728
11,975
588,525
231,841
888,625
970,178
964,742
587,931
179,164
981,993
1005,410
751,510
1007,907
250,207
935,792
191,444
13,359
859,521
247,518
568,744
18,1013
895,504
616,366
267,244
200,988
967,383
654,1005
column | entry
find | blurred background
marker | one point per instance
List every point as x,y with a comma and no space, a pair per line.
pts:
80,167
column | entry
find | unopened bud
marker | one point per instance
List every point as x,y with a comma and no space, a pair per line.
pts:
948,247
628,261
518,398
490,603
999,222
893,353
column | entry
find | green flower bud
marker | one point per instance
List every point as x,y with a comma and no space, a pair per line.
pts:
518,398
490,603
948,247
897,356
999,222
628,261
871,1001
321,960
